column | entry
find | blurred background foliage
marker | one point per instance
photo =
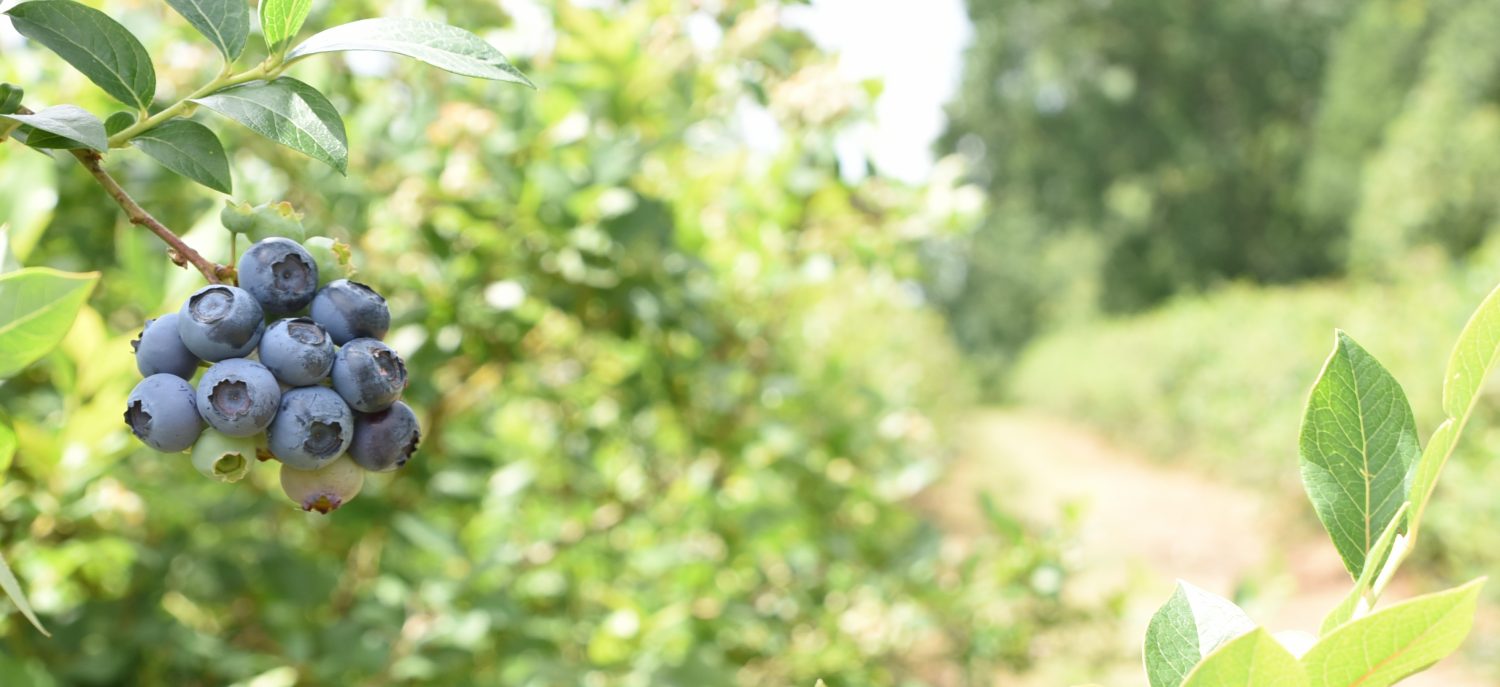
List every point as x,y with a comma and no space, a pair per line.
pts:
681,376
675,390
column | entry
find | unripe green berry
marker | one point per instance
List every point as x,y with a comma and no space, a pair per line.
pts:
324,489
263,221
335,258
222,457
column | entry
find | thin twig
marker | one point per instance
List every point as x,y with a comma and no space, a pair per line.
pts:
181,253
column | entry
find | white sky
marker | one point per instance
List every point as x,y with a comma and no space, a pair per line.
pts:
916,48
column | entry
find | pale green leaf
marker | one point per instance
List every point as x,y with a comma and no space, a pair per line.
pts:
1345,610
107,53
70,122
225,23
1382,648
1473,356
1358,445
12,588
280,20
37,306
1430,466
288,112
440,45
1255,659
1189,626
190,149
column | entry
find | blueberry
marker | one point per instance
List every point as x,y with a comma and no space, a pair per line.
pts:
219,322
224,458
297,351
324,489
369,375
238,397
311,429
350,310
162,414
279,274
385,440
159,349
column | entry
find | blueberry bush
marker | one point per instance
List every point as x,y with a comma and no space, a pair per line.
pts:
673,392
1370,481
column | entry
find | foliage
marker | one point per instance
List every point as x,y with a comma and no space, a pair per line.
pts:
1370,484
676,391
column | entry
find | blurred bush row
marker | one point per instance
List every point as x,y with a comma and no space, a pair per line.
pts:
1137,149
675,389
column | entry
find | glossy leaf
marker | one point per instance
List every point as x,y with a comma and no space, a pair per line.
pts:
1382,648
225,23
440,45
1190,625
1358,444
190,149
288,112
107,53
1345,610
1255,659
37,307
70,122
12,588
280,20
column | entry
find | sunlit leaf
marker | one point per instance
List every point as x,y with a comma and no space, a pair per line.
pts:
1358,444
1190,625
37,306
1255,659
440,45
280,20
1382,648
69,122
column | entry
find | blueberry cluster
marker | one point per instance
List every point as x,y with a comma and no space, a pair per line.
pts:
318,392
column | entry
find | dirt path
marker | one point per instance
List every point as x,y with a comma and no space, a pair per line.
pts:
1142,527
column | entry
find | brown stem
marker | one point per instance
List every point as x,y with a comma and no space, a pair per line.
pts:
181,253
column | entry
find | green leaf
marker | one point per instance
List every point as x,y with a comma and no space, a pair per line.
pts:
440,45
118,122
288,112
280,20
1190,625
12,589
94,44
225,23
37,307
1430,466
1473,356
1255,659
1388,645
67,121
190,149
1358,444
1345,610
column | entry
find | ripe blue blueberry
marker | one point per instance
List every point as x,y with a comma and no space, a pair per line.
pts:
369,375
159,349
220,321
385,440
312,428
161,413
297,351
279,274
324,489
238,397
350,310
